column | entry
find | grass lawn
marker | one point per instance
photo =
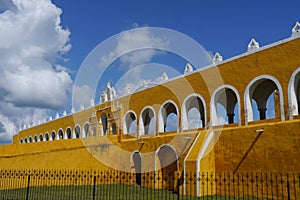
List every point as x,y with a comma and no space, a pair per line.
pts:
111,192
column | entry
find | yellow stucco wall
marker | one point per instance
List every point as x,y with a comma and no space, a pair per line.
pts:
275,150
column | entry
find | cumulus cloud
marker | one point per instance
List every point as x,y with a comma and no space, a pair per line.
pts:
83,96
135,47
31,41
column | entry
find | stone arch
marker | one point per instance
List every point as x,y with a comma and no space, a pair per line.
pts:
30,139
47,138
147,121
225,97
77,131
136,159
25,140
104,123
21,140
60,134
130,122
165,111
53,135
41,137
193,102
86,128
69,133
35,138
165,165
294,94
259,90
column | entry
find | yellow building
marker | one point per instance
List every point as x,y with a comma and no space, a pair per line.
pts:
130,133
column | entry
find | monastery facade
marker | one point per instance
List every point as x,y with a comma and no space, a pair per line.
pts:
132,133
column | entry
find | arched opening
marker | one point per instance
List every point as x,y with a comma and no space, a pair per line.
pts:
137,162
30,139
104,124
69,133
77,131
114,128
262,94
86,128
168,117
193,113
166,166
130,122
225,106
46,137
25,140
53,134
60,134
94,132
35,138
294,93
41,138
147,121
21,141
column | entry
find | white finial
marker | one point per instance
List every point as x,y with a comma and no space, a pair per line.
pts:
92,102
217,58
164,76
50,118
253,45
81,107
24,127
296,30
145,84
39,122
128,88
72,110
188,68
65,113
56,116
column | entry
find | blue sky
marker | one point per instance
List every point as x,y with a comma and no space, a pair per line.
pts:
224,26
33,56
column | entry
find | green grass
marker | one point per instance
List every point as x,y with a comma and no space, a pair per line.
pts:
111,192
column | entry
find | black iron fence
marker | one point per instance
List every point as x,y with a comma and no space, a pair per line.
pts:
83,184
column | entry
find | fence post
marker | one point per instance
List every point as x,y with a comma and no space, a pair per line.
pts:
28,185
94,188
178,188
288,189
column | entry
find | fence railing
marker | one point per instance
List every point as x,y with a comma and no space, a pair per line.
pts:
84,184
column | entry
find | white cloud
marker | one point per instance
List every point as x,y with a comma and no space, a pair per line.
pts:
31,41
135,47
84,94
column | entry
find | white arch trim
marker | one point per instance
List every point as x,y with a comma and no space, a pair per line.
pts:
50,136
84,134
131,160
41,134
248,103
155,155
124,121
66,134
160,116
213,109
141,123
80,131
57,136
184,113
292,98
46,133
